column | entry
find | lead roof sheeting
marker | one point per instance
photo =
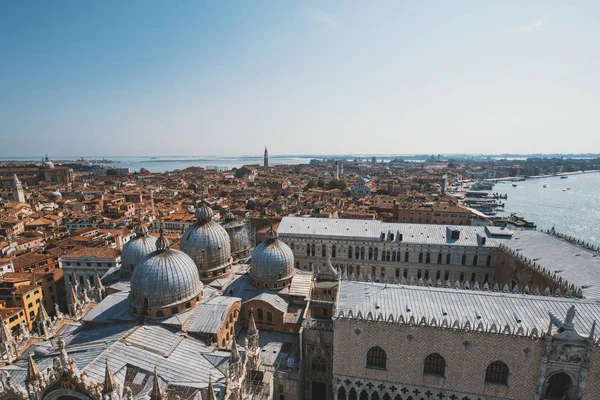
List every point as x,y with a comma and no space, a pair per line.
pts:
371,230
571,262
272,299
462,305
212,314
301,284
108,308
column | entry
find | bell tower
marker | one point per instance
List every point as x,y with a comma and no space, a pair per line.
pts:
266,160
18,193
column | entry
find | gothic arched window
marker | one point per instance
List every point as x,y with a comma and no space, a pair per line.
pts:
376,358
497,372
318,364
435,365
260,314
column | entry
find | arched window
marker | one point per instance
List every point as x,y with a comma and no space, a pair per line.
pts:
341,393
370,253
174,310
464,259
352,394
188,305
159,314
497,372
318,364
333,251
260,314
350,252
364,395
376,358
406,257
420,257
439,258
475,259
448,258
362,253
488,261
434,365
269,316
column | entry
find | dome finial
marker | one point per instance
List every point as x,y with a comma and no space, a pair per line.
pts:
271,233
204,213
162,244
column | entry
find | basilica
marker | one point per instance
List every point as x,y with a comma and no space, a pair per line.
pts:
323,309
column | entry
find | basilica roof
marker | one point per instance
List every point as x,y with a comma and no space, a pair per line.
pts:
206,242
137,248
164,277
133,351
272,260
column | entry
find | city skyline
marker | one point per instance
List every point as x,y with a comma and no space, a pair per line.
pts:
186,79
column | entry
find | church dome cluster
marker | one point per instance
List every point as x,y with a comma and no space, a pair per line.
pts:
136,249
208,244
165,282
272,264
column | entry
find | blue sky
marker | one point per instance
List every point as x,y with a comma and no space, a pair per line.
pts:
226,78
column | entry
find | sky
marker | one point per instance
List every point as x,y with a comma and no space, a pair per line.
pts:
83,78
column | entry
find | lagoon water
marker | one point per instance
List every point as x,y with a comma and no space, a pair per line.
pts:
575,212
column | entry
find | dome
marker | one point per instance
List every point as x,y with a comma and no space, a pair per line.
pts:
207,243
272,260
55,195
204,213
48,164
137,248
164,278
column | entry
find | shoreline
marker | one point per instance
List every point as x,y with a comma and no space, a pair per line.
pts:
524,178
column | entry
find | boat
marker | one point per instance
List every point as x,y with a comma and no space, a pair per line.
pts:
514,185
545,186
564,190
568,188
563,177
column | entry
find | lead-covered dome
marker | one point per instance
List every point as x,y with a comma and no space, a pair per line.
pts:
56,195
272,262
208,244
136,249
164,282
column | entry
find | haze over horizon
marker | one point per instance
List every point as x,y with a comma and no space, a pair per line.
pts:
226,78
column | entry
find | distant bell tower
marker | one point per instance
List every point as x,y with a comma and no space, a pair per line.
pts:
18,193
266,158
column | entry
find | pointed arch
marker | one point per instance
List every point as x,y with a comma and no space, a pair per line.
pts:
364,395
341,393
352,394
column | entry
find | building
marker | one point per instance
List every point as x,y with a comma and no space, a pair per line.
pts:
360,188
22,293
82,269
393,341
346,309
18,194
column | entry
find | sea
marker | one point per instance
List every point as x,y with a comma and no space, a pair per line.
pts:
571,206
170,163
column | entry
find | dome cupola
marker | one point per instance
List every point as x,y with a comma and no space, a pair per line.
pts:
136,249
164,282
272,264
208,244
